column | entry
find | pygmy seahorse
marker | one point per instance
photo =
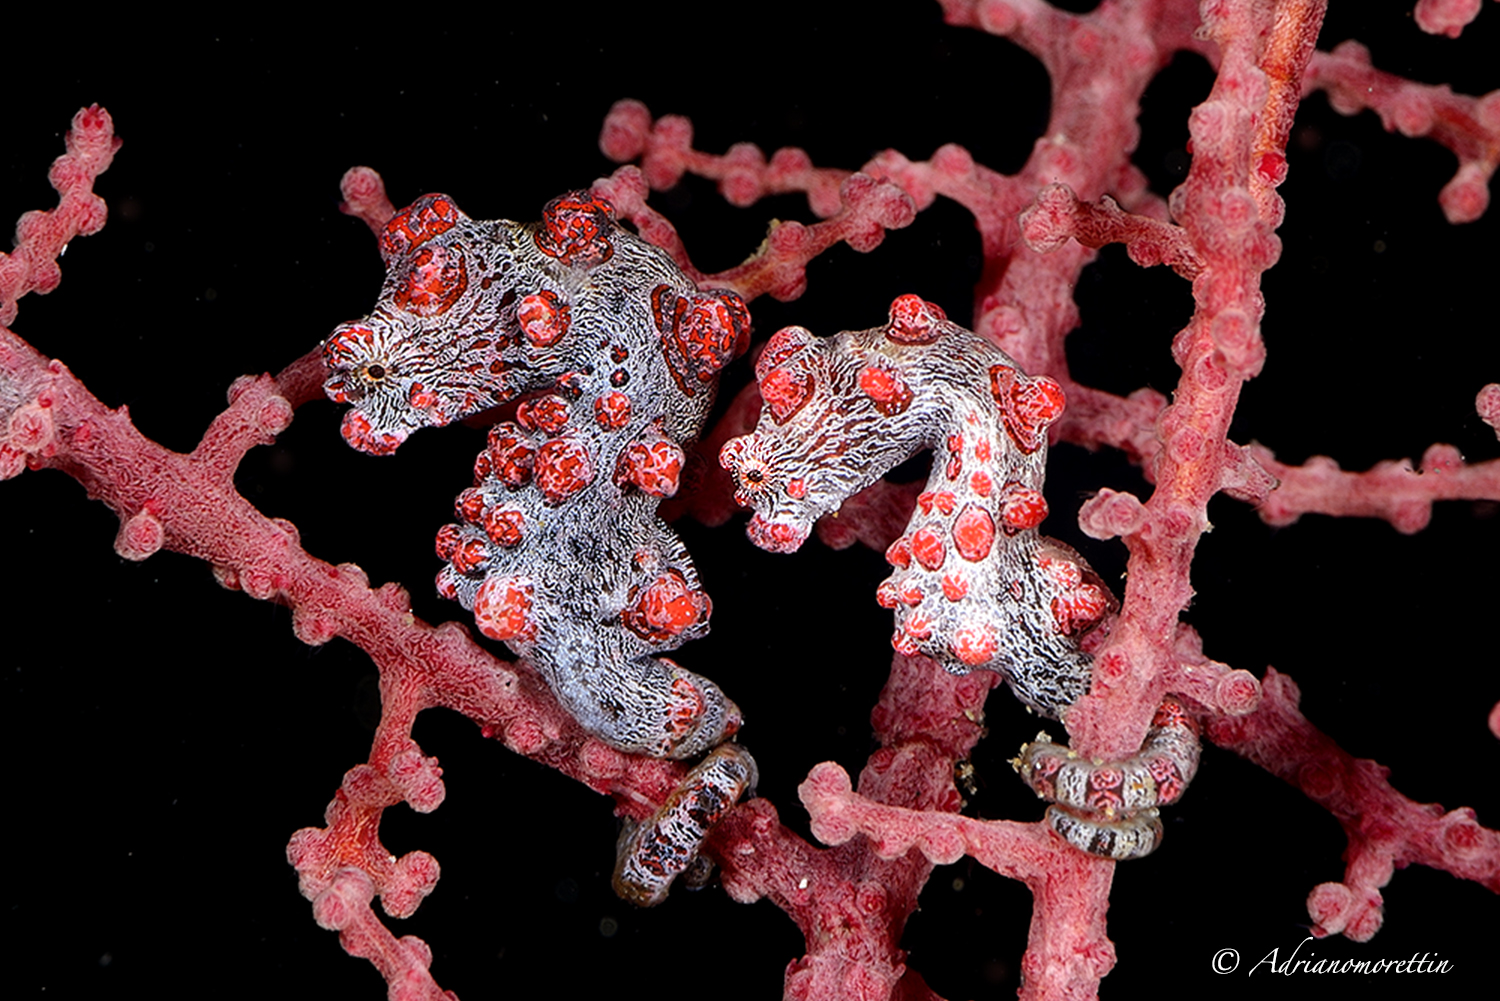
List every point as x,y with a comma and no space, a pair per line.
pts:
974,585
609,356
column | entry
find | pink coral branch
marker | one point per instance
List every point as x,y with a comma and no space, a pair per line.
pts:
1469,126
1068,951
42,237
867,208
1386,830
1058,215
1391,490
665,148
1228,210
1445,17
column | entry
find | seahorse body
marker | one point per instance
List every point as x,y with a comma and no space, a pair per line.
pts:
973,585
613,354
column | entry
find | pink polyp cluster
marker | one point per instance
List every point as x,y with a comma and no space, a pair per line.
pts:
1110,809
973,584
609,356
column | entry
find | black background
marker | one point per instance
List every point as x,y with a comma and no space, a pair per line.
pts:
165,737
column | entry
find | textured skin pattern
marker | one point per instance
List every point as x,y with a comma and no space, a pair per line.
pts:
613,356
1110,808
974,585
655,852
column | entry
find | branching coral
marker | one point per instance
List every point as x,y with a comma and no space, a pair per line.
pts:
1361,620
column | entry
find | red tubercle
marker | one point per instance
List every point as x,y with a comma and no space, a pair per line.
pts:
612,410
915,321
886,388
927,546
563,467
447,542
665,608
786,391
419,222
653,467
543,317
470,557
575,229
974,533
469,505
437,278
1021,508
975,644
545,413
504,526
512,459
1027,405
701,332
502,609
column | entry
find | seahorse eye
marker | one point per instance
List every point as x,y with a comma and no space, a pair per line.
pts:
755,476
375,373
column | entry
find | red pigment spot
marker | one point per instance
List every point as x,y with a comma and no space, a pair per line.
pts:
700,333
954,587
548,413
421,397
469,505
437,277
612,410
796,489
982,450
981,483
665,608
358,433
686,709
1064,573
886,388
562,469
899,553
575,229
785,343
1021,507
502,609
1271,167
1027,405
914,321
944,500
470,557
654,468
414,225
927,547
785,392
504,526
448,538
1103,792
885,595
511,456
775,536
924,501
973,533
975,644
1078,609
543,318
910,594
